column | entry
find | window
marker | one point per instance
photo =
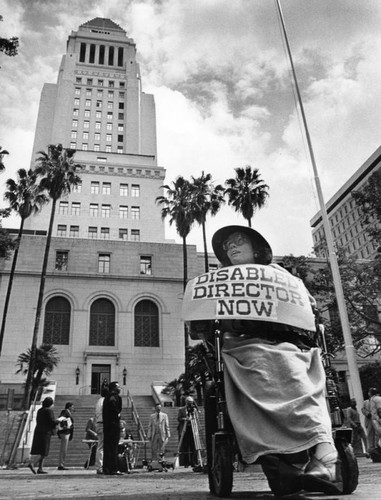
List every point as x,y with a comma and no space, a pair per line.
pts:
121,95
121,105
109,126
73,134
77,188
61,230
111,83
78,79
110,105
145,264
82,52
74,231
88,103
104,263
120,127
123,234
106,210
123,212
86,124
74,123
135,213
135,190
94,188
92,53
110,94
120,149
120,116
106,188
122,85
123,190
93,232
108,137
75,208
63,208
135,235
96,147
94,209
100,83
109,115
88,92
97,136
108,149
77,91
89,81
120,138
57,321
102,323
98,104
110,56
62,259
146,324
85,136
101,59
120,56
105,233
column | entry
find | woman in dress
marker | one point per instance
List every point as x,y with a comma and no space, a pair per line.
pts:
45,427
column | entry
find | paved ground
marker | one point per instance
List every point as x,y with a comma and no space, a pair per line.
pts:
178,484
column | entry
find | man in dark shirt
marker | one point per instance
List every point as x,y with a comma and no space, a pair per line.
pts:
112,406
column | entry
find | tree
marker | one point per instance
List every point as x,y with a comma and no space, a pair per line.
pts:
25,198
3,152
45,360
206,198
9,45
177,206
57,172
246,192
369,201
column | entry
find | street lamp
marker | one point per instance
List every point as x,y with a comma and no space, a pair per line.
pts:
124,376
77,373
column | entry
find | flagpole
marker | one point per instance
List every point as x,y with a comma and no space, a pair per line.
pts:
348,341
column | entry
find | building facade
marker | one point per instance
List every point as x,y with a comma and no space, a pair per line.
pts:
114,285
344,216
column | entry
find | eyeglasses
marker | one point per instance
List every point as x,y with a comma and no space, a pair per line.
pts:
237,241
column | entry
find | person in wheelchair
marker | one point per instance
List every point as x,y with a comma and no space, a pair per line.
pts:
275,387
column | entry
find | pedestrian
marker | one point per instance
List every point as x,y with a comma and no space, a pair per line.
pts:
91,434
45,427
187,448
99,430
112,406
65,433
158,432
273,372
375,453
353,421
369,410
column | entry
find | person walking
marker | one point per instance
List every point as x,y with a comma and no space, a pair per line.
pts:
45,427
65,433
158,432
99,430
369,410
112,406
353,421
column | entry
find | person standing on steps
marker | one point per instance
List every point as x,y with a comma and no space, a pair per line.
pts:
158,432
112,406
65,433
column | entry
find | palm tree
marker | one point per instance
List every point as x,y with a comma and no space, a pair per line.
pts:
177,206
25,198
2,153
45,360
247,192
206,198
57,171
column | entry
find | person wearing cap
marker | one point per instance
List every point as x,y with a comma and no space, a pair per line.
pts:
275,386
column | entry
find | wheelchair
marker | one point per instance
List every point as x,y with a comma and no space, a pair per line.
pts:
221,446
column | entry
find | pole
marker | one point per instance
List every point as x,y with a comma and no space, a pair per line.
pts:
348,342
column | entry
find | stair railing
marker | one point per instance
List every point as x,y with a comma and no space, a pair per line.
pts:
135,416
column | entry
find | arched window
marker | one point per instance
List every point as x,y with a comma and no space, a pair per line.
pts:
57,321
146,324
102,323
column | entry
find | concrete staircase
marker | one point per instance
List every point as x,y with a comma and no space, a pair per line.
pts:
84,409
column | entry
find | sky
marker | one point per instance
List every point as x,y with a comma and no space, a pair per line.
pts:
224,93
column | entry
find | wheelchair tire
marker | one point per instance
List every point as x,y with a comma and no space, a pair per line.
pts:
223,469
349,466
210,410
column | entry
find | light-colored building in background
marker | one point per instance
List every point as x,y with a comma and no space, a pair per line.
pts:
114,285
344,216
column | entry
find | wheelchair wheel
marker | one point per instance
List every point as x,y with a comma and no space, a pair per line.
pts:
223,469
349,466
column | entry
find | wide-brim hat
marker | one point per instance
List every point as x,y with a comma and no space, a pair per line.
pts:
260,245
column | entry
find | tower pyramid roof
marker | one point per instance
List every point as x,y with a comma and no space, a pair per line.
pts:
102,23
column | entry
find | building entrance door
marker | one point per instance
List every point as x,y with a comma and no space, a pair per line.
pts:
98,374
